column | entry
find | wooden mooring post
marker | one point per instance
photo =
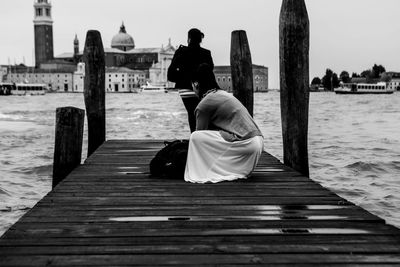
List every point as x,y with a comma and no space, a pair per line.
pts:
294,35
68,142
94,90
242,70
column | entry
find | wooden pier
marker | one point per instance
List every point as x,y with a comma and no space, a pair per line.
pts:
109,212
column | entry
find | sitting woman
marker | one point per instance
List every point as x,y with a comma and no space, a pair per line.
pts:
227,142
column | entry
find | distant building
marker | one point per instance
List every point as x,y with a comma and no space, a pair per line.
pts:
57,74
3,73
394,82
79,78
260,78
43,30
124,79
56,79
121,80
127,67
316,88
358,80
153,62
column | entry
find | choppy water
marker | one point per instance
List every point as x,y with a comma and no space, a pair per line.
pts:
354,142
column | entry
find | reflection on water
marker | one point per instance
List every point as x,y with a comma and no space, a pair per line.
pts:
354,145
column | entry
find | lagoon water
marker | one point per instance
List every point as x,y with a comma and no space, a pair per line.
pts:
354,142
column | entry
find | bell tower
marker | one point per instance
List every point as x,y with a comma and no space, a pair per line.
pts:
76,49
43,26
76,45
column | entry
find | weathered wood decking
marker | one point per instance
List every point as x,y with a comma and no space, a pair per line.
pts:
108,212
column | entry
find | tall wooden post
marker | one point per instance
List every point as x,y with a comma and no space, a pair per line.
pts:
68,143
242,70
294,35
94,90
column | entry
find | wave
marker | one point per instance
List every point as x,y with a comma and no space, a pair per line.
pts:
10,117
141,115
43,170
4,192
375,167
364,102
13,209
365,166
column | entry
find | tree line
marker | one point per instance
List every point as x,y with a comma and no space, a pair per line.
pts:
331,80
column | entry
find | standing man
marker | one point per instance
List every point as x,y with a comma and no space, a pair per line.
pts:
183,66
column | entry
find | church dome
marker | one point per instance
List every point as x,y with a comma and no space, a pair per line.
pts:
122,40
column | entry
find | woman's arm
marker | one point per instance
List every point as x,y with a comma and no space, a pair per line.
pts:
202,120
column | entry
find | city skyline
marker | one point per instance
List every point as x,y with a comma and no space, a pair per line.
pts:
343,36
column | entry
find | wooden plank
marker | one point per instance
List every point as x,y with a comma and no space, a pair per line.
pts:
300,200
341,239
178,248
198,259
154,226
210,211
231,209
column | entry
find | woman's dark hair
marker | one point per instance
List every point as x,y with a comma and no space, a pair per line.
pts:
195,36
205,77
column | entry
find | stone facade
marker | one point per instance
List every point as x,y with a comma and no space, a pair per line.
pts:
79,78
260,78
121,80
124,80
3,73
43,29
56,80
394,82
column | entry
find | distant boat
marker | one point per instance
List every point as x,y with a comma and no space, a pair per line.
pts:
5,88
148,88
363,88
29,89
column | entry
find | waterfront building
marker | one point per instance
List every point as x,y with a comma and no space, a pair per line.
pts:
79,78
260,78
60,79
127,67
121,79
152,62
43,31
394,83
117,79
359,80
3,73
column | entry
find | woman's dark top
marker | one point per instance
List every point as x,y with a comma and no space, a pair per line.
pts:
185,62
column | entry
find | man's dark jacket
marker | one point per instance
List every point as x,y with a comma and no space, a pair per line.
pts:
185,62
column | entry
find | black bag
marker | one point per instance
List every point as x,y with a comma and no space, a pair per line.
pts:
170,161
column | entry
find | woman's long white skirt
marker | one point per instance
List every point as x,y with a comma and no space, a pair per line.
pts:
213,159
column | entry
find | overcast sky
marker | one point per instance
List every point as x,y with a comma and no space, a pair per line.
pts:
347,35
